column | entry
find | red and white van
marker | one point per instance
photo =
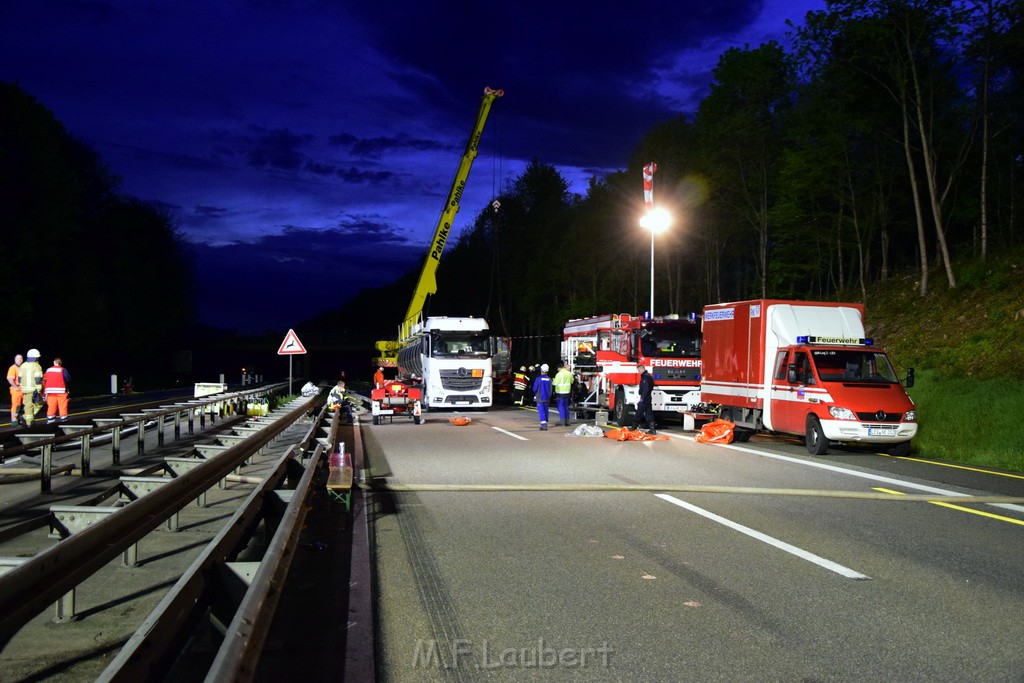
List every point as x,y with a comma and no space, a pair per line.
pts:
804,368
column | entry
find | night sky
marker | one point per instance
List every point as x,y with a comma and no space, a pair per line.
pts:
305,148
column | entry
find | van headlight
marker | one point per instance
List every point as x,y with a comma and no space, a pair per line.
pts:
841,413
910,416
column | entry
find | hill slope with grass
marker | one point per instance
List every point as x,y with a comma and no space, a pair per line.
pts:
967,348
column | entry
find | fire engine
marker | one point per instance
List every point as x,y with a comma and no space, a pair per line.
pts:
602,353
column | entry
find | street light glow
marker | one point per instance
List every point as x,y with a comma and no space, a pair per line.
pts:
656,220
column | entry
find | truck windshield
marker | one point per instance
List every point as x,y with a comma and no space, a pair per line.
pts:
836,365
460,345
663,341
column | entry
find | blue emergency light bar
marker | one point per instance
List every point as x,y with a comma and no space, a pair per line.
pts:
835,341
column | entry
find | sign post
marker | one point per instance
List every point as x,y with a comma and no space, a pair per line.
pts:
291,346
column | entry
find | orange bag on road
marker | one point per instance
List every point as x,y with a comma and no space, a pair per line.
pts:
718,431
623,434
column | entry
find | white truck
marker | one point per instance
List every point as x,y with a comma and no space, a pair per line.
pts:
451,360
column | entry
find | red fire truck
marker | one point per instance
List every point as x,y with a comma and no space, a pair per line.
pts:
602,353
804,368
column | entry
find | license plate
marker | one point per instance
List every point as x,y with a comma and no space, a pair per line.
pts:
874,431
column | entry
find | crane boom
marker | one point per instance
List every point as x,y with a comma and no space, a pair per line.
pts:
427,283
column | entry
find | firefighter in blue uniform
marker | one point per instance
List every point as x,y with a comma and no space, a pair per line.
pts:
542,395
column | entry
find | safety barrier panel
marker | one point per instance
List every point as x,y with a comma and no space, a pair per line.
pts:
26,589
118,426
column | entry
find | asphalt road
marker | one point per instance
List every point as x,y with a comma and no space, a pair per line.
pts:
686,586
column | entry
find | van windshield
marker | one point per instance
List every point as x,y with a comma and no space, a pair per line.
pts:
854,365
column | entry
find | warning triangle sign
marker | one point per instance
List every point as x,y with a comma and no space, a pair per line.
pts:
291,345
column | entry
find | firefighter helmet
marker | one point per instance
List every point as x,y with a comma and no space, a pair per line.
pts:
33,354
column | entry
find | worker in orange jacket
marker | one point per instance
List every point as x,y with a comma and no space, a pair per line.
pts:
55,389
378,378
16,395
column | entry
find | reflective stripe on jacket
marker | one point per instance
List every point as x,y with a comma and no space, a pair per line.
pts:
563,382
31,375
55,381
542,388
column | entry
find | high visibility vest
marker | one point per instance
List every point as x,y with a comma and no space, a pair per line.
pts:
563,382
31,374
519,381
12,376
55,380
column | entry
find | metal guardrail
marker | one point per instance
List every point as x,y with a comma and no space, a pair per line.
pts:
208,583
240,652
42,580
114,426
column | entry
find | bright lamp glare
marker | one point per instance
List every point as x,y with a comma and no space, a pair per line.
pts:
656,220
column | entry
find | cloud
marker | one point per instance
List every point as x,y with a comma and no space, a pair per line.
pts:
279,280
270,127
278,148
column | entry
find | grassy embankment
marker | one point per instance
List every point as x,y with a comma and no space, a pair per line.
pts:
967,348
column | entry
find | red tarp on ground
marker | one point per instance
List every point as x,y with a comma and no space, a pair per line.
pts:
624,434
718,431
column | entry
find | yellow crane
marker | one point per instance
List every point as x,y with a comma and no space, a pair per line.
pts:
427,283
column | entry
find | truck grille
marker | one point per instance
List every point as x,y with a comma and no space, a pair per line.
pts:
879,416
460,380
678,374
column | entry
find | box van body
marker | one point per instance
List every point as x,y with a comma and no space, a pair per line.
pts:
803,368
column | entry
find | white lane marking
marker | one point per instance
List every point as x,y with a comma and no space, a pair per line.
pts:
514,436
862,475
781,545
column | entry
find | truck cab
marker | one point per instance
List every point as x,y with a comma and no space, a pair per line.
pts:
846,392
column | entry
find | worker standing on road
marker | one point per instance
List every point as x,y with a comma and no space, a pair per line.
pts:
15,382
378,378
30,375
562,386
55,390
542,395
644,410
519,380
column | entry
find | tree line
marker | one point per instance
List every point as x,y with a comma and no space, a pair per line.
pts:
91,275
888,137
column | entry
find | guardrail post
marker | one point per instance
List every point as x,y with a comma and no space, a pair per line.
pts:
86,455
141,435
47,473
115,436
65,608
159,417
86,447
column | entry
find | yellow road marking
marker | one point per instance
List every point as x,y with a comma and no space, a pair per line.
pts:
957,467
690,488
1001,518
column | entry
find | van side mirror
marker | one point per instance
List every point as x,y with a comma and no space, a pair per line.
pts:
910,377
791,375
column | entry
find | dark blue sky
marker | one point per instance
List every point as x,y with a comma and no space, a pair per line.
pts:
307,146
